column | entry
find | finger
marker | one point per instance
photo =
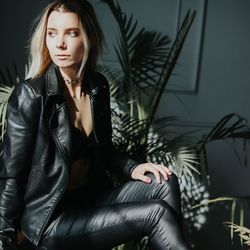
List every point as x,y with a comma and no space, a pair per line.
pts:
167,170
144,178
163,172
155,172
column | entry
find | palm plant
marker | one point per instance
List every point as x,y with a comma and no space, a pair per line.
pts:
146,62
146,65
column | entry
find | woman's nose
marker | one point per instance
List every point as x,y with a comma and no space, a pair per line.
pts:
61,43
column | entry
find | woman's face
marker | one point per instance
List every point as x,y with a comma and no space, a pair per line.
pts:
64,40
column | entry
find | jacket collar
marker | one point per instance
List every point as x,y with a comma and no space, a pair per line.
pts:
54,82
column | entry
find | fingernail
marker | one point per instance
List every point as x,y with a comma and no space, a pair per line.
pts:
148,180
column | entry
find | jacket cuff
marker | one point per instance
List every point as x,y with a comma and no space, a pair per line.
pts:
131,167
7,243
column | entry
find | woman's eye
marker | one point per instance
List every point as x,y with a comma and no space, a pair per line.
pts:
51,34
72,33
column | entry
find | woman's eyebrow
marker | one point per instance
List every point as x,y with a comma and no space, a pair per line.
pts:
70,28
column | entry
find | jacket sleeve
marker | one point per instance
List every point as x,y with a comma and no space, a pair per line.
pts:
18,142
119,162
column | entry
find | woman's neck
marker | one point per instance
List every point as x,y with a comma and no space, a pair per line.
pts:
69,74
73,85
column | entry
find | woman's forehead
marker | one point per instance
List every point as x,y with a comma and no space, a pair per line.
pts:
63,20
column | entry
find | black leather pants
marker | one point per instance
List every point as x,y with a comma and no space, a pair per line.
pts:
131,211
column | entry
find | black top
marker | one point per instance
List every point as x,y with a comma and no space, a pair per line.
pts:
81,144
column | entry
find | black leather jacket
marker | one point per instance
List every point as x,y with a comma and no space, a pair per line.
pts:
37,152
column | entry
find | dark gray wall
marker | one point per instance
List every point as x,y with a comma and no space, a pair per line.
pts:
16,19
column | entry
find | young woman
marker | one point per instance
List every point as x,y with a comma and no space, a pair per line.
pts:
57,156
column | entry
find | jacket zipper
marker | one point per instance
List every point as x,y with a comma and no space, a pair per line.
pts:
93,119
64,154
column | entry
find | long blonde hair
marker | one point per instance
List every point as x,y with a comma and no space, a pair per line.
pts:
39,58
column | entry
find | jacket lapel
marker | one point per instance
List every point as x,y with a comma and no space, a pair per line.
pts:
57,113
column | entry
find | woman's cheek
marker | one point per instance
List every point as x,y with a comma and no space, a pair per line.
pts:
49,45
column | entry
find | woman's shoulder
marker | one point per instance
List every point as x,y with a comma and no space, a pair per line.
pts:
98,79
27,91
37,84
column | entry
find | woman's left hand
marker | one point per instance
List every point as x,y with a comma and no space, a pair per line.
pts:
139,172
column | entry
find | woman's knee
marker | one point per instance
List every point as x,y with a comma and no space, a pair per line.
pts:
171,184
168,191
152,212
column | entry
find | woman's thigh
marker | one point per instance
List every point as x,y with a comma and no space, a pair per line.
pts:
100,227
136,190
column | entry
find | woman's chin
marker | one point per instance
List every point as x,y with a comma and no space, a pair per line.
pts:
64,64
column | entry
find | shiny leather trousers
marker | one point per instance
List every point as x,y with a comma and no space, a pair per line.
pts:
128,212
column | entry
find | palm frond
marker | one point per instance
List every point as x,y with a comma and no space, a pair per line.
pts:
5,92
243,232
237,209
230,126
128,34
212,201
148,58
185,161
141,55
8,78
129,135
170,62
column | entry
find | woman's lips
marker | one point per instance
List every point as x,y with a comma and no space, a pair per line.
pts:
62,57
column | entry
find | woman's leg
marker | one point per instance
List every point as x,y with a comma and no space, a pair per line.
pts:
129,212
167,190
167,193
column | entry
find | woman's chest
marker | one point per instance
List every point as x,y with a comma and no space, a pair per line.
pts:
80,113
